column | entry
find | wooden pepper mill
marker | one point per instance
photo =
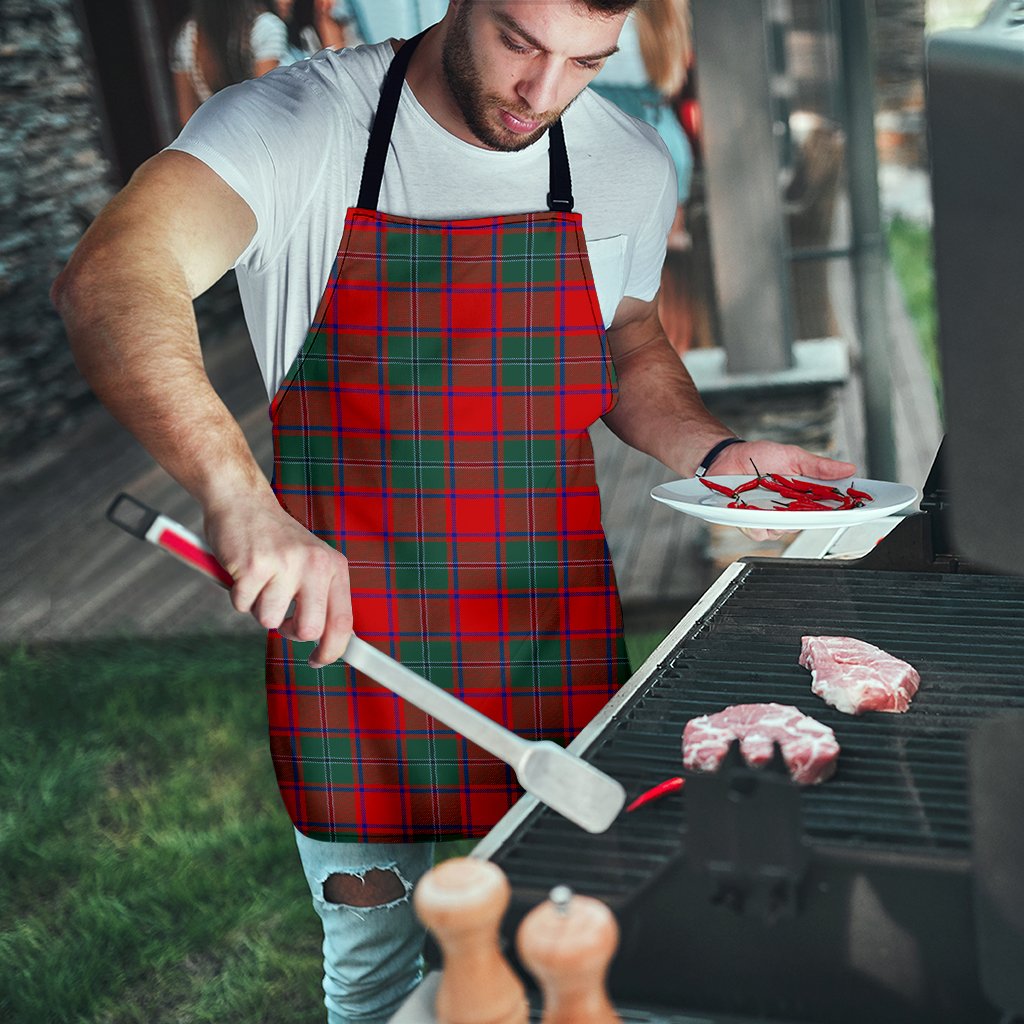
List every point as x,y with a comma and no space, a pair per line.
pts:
462,901
567,943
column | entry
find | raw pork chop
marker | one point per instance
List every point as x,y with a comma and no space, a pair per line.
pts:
809,748
855,677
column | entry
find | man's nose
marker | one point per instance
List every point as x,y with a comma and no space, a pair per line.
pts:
538,89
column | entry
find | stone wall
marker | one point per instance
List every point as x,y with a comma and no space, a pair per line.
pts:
53,180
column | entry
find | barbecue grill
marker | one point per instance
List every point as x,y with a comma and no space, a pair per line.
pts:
746,897
893,892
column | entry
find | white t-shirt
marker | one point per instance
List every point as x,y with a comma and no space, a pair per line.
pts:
292,144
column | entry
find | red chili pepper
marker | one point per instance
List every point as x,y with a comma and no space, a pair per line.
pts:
721,488
749,485
807,505
822,490
788,492
770,484
862,495
809,487
793,485
656,792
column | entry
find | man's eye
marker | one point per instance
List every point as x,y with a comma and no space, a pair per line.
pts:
513,46
590,65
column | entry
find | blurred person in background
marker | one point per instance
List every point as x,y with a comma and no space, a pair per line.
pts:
221,43
646,78
373,21
314,25
647,75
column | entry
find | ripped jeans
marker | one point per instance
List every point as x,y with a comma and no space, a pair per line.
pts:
373,943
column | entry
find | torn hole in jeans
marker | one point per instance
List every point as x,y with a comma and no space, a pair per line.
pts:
373,889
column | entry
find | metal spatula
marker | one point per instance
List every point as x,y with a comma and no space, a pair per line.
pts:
568,785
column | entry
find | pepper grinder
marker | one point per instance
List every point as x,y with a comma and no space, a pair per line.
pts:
567,943
462,901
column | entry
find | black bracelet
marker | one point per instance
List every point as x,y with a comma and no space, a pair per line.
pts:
705,463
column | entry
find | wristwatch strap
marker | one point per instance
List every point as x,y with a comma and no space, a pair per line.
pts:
705,463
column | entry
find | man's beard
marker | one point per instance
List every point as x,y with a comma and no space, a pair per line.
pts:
464,83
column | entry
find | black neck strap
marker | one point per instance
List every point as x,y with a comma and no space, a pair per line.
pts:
559,196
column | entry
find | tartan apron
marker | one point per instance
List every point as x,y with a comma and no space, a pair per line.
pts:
434,429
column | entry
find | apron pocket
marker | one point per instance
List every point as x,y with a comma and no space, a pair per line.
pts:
608,266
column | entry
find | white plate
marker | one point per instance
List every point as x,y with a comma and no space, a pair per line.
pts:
693,498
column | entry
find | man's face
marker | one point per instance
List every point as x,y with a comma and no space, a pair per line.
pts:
513,66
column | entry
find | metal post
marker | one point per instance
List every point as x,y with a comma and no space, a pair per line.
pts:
748,243
868,242
154,63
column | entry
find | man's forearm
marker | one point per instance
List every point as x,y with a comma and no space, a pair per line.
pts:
659,410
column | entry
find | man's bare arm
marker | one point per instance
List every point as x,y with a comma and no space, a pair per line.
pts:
660,412
126,299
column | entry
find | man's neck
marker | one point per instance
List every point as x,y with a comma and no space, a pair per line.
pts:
427,80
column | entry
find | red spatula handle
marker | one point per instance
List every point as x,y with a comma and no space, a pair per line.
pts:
146,523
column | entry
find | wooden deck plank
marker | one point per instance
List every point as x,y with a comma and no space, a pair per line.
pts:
74,575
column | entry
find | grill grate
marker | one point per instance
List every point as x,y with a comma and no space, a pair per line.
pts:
901,786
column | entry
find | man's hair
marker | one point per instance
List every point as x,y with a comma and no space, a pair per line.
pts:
609,6
605,7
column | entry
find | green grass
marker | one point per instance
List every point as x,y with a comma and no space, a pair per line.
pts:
639,647
910,248
147,871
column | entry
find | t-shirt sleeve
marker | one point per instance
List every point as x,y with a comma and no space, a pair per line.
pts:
652,235
269,38
269,140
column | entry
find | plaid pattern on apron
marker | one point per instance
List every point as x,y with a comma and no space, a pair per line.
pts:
434,429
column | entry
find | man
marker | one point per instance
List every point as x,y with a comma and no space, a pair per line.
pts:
430,426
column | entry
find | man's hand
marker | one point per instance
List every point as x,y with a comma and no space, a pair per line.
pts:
771,457
286,578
